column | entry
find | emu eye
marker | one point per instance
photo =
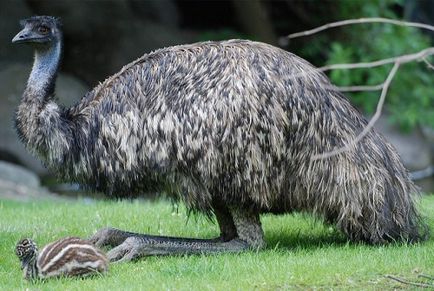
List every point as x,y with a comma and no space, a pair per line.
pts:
43,29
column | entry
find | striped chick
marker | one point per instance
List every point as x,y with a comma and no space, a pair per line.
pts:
70,256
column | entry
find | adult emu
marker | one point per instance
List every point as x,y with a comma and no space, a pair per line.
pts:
227,127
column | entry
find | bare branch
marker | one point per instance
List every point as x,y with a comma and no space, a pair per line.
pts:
421,55
384,86
371,123
358,21
360,88
401,59
423,285
397,61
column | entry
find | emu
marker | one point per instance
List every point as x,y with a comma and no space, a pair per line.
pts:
70,256
229,128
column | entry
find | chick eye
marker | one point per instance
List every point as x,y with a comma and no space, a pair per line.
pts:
43,29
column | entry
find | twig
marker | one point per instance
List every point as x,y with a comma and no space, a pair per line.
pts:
358,21
423,285
402,59
426,276
360,88
428,64
371,122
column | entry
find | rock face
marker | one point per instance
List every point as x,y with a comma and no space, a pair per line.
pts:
18,175
428,134
18,183
415,149
102,36
13,80
10,12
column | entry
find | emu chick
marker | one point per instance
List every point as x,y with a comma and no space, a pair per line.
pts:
70,256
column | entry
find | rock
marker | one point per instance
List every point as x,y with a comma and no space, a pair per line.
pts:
69,90
97,46
137,38
13,79
12,191
160,11
415,150
18,175
10,13
18,183
428,134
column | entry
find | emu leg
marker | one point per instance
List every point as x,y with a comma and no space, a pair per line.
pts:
113,237
249,227
132,246
225,221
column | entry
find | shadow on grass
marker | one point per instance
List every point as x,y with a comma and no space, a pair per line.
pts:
305,240
299,231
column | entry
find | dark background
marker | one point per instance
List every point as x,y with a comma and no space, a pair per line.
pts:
101,36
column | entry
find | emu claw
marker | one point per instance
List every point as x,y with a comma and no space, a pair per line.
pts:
129,250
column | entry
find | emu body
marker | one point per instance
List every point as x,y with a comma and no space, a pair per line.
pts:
70,256
227,127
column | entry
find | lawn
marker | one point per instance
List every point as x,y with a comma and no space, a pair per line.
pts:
302,252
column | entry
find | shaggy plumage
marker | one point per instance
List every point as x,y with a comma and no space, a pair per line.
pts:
232,123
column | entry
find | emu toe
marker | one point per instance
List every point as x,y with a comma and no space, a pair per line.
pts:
131,249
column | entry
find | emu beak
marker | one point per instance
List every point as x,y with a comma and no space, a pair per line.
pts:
25,261
22,36
25,35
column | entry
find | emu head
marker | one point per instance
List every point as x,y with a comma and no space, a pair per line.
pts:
26,251
39,31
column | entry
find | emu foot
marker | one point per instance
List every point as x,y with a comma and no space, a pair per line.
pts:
238,234
131,246
130,249
136,247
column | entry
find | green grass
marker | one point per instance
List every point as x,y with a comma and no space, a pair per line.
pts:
302,253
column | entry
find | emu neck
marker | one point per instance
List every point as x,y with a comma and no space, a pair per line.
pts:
30,268
42,79
39,120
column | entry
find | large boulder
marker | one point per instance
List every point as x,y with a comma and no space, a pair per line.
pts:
18,183
18,175
13,79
